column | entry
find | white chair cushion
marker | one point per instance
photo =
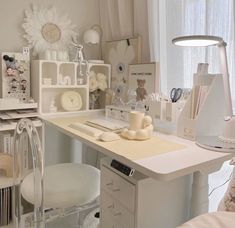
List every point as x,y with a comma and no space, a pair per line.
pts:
65,185
212,220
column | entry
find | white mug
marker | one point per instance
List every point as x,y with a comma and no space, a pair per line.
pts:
136,120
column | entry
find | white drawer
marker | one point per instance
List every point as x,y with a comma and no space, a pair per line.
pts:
118,187
108,223
113,210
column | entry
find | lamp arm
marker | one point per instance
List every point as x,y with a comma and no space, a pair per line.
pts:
227,90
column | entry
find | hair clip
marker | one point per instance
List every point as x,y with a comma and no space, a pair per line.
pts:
23,84
8,58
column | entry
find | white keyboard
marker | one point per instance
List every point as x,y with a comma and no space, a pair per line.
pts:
91,131
107,124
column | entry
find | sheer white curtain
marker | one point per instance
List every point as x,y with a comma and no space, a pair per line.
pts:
122,19
186,17
117,19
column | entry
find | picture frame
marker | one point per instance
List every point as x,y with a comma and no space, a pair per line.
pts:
121,53
144,79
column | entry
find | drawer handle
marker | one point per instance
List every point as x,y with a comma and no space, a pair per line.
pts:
111,206
117,214
110,184
116,190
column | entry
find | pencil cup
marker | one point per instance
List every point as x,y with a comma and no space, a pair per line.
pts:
135,120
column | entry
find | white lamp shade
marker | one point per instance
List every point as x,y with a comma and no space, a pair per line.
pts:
91,36
197,41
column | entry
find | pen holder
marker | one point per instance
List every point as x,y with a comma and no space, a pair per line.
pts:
157,109
173,110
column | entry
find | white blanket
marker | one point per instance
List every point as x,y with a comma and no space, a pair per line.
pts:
228,201
212,220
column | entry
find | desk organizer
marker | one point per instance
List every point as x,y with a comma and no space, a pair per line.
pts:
117,112
50,79
209,120
165,110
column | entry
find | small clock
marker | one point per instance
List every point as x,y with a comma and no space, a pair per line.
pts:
71,101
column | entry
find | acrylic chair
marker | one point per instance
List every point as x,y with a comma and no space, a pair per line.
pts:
54,191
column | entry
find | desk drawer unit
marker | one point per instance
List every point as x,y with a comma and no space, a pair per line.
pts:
116,212
141,202
118,188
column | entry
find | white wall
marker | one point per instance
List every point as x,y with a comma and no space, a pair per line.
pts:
83,13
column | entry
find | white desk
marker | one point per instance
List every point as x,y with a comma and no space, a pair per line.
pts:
163,167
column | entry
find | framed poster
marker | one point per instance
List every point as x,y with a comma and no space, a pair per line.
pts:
144,79
120,54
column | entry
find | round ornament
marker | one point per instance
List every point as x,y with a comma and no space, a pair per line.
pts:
71,101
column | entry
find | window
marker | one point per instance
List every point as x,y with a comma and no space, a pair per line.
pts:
198,17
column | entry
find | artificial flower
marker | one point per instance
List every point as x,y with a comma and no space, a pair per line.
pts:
101,77
102,82
102,85
93,84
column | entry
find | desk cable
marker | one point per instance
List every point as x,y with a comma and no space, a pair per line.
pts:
221,184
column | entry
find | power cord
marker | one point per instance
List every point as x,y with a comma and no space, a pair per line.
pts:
214,189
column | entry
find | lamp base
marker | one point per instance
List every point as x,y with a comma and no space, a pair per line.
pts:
215,144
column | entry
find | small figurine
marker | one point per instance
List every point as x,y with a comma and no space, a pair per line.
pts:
52,107
141,91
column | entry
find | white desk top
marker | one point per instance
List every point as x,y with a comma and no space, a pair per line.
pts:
187,159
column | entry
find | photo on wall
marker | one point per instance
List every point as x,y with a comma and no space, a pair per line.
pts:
144,79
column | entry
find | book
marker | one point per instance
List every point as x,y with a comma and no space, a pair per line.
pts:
5,142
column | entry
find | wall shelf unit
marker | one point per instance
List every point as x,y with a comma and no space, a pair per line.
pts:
50,79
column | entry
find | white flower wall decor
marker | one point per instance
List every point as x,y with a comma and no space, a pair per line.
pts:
46,29
120,54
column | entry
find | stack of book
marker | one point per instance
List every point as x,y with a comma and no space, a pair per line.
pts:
6,142
6,206
199,94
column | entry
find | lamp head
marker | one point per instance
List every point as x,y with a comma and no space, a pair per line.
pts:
91,36
198,41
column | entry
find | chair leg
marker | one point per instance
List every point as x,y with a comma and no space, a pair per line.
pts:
81,217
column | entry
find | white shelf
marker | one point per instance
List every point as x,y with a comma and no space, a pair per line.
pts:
63,86
8,226
62,77
19,106
11,126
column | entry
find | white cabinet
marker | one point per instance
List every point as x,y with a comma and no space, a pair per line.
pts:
50,79
141,202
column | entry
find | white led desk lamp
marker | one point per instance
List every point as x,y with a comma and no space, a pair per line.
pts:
226,142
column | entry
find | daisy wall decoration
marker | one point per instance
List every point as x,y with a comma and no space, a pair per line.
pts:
45,29
120,54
